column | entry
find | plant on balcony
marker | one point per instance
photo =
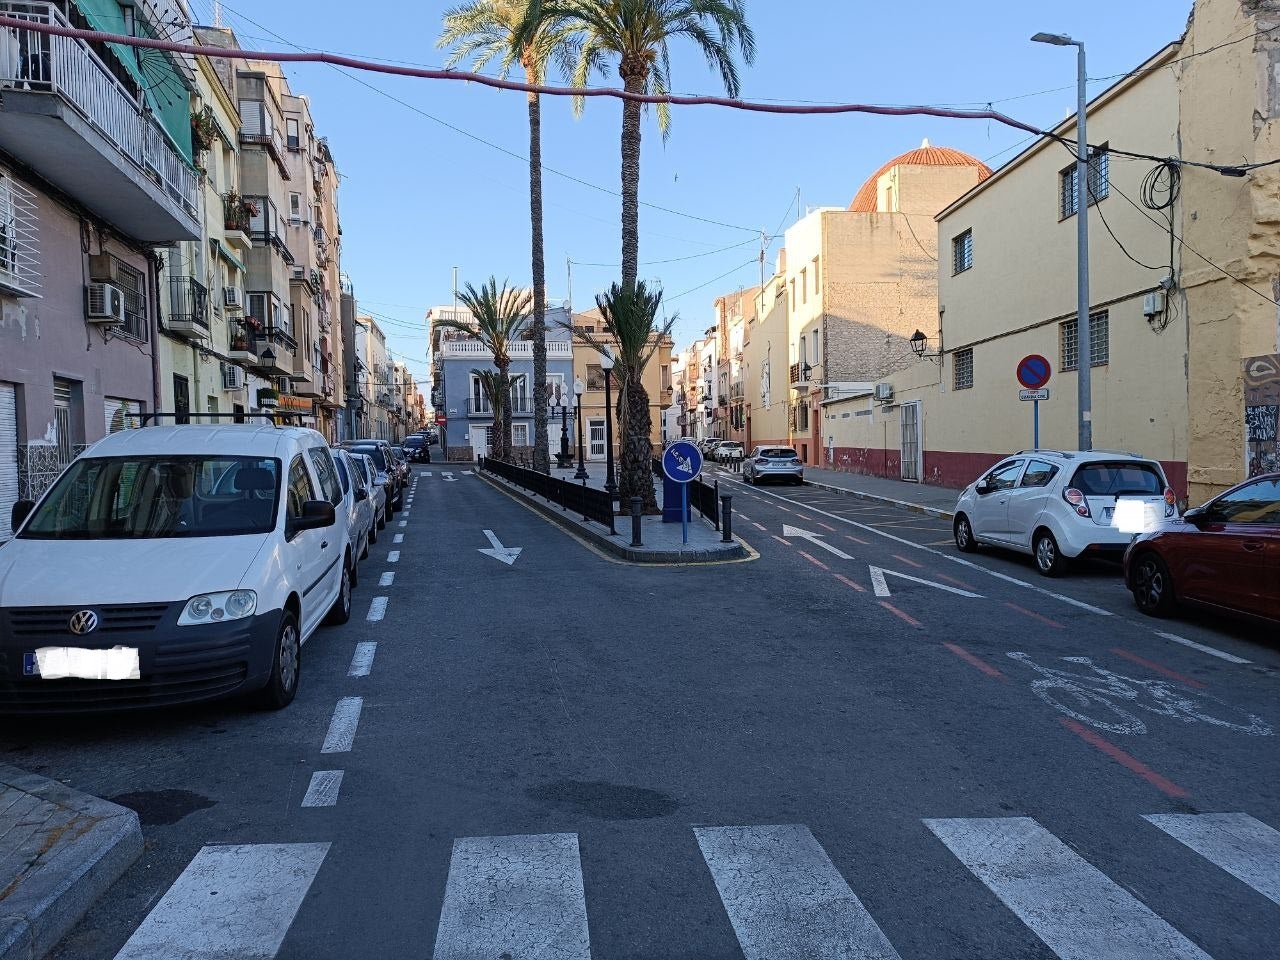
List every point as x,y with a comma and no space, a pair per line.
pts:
204,131
238,212
240,343
252,324
268,397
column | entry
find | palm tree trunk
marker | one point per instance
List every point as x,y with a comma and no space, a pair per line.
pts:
504,419
633,81
541,452
636,478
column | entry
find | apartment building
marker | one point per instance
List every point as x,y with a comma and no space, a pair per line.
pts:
96,170
766,353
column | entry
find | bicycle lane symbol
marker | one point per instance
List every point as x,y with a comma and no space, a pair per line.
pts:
1106,700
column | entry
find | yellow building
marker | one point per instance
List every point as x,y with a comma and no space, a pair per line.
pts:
1182,286
587,368
765,359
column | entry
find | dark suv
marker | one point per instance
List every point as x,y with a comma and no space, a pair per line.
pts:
385,460
417,449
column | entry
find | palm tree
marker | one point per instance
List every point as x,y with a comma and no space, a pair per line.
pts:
500,315
486,30
633,333
492,390
635,33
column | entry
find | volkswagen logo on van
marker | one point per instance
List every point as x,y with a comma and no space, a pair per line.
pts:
85,621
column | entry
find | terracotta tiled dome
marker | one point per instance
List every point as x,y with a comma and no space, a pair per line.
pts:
923,156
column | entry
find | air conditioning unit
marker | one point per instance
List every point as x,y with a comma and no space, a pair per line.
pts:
884,392
231,298
104,268
104,304
232,377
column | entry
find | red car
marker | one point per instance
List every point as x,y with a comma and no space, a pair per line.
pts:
1224,555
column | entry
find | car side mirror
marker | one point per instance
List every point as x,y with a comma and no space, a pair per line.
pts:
316,514
21,510
982,489
361,494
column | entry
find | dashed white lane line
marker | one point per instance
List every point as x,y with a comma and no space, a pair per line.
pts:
403,524
387,579
323,790
342,728
362,659
1203,648
377,609
393,556
230,901
398,538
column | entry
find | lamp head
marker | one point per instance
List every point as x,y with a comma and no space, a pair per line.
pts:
1057,39
918,341
606,358
267,355
578,387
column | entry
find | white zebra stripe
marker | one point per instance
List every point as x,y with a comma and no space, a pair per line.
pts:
1246,848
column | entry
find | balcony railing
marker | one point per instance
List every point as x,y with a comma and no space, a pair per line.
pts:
275,337
188,306
519,349
480,406
19,240
68,67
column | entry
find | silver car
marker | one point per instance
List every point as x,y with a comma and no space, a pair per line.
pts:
773,463
376,482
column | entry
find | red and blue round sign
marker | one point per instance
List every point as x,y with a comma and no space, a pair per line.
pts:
1034,371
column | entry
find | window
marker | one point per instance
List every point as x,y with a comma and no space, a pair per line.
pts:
815,276
520,435
793,294
299,488
322,460
1099,341
1099,184
341,466
802,416
291,133
804,286
962,370
133,285
1258,502
817,353
295,206
595,376
1038,474
962,252
1130,477
1005,476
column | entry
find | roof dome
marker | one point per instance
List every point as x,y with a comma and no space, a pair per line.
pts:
925,155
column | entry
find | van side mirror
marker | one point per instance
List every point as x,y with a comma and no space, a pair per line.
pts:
315,515
362,494
21,510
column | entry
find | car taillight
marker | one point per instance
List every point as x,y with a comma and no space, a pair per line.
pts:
797,462
1077,500
761,461
1170,502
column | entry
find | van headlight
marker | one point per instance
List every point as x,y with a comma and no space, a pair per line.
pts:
219,607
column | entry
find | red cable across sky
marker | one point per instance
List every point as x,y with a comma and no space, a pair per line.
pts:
428,74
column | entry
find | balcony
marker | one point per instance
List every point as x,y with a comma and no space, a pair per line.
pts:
480,407
19,240
67,117
474,350
263,226
236,221
188,308
284,348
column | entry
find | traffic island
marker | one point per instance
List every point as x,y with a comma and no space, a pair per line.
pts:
661,542
60,850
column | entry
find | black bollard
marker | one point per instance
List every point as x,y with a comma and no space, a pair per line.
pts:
726,518
636,504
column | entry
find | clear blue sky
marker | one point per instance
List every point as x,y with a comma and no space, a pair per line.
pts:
418,198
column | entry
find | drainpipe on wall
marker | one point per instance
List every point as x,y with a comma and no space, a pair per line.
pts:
153,275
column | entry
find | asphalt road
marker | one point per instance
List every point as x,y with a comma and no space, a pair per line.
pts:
858,745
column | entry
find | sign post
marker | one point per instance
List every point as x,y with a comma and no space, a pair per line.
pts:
682,462
1033,373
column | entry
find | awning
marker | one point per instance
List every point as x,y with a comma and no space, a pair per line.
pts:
225,252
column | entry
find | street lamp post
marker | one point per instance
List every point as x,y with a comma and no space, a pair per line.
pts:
564,429
610,483
578,388
1084,344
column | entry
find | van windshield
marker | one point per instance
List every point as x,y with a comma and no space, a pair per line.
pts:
139,498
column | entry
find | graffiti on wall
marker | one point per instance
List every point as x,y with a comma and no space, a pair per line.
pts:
1262,414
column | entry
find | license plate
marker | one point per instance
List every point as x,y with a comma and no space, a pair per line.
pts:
1108,511
59,663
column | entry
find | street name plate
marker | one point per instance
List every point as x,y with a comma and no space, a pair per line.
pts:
1033,394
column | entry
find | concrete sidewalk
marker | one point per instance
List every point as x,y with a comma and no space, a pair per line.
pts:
59,851
916,497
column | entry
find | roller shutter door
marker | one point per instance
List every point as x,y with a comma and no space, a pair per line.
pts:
8,456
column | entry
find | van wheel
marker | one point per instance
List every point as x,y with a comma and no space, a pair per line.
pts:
286,664
340,612
364,554
1049,559
964,535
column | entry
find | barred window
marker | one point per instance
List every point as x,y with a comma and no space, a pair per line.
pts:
1099,183
962,252
134,287
962,369
1099,341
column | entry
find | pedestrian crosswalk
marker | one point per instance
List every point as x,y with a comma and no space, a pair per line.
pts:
784,896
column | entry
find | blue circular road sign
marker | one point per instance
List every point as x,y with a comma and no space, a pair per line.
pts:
682,461
1034,371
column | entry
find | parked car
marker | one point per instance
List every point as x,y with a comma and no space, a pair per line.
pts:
376,483
729,451
1224,555
188,562
708,447
385,460
418,447
402,464
356,505
1058,505
773,463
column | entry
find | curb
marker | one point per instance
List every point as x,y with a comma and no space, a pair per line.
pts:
888,501
94,843
615,545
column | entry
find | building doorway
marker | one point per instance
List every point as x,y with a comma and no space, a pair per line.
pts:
596,434
912,465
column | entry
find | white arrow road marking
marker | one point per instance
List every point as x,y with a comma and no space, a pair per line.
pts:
795,532
446,473
450,478
507,555
882,589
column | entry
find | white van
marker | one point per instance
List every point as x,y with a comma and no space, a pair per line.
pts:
171,564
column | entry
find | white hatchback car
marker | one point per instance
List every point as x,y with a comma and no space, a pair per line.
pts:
171,564
1058,505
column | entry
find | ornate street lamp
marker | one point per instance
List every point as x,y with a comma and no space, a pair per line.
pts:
578,388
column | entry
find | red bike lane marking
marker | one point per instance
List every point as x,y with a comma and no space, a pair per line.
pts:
974,660
1126,760
814,560
1156,668
785,543
850,583
954,582
826,526
912,563
904,616
1034,616
865,543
